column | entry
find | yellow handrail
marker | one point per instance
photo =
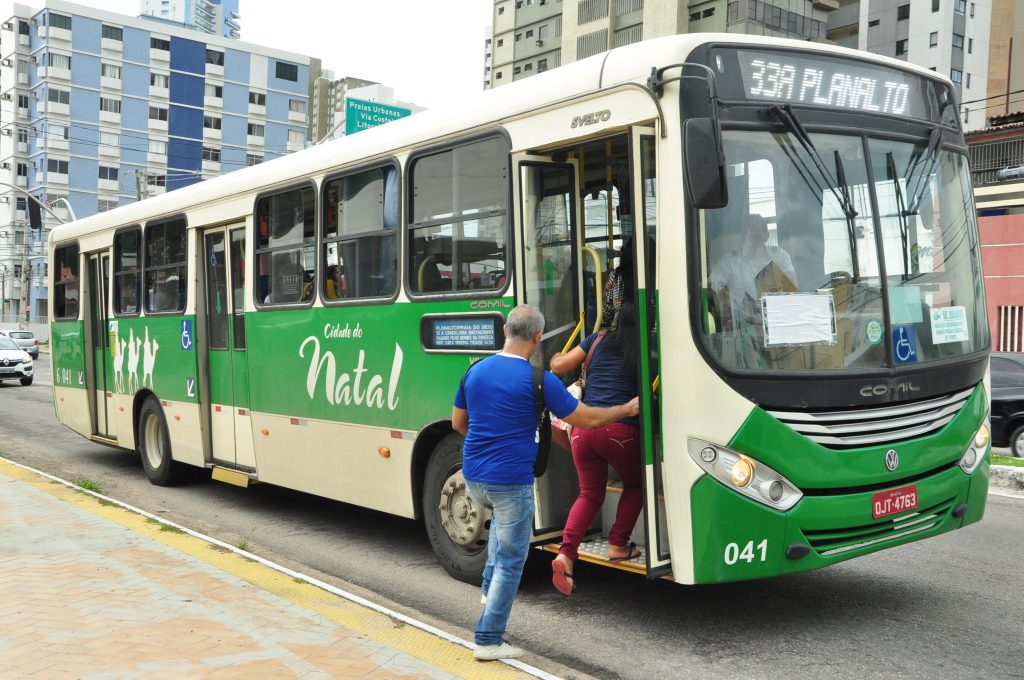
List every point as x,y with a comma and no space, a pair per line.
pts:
598,286
654,385
574,335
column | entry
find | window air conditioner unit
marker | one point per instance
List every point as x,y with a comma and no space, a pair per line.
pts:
8,26
6,132
540,43
6,62
5,166
6,96
32,59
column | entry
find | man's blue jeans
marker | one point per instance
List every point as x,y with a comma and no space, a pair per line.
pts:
511,507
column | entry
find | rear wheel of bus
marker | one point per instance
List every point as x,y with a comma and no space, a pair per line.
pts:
456,526
155,445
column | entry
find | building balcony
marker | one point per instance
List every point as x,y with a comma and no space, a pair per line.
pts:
292,147
56,108
259,110
211,168
24,40
108,185
22,147
159,56
109,151
215,70
255,141
57,144
110,117
212,134
22,79
54,73
826,5
50,33
110,83
213,102
112,45
158,125
161,93
56,178
21,180
296,117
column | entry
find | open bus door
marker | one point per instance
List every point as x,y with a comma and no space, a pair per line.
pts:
643,174
224,369
551,281
99,378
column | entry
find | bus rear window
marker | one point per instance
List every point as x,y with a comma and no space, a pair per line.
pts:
65,284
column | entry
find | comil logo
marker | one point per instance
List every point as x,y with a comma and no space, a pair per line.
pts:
591,118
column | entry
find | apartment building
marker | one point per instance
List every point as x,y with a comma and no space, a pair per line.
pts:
531,36
100,109
216,17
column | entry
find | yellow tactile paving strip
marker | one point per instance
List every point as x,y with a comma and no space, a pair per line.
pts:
334,660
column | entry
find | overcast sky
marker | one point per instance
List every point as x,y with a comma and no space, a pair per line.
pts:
431,53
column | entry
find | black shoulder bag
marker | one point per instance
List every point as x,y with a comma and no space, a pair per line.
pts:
543,437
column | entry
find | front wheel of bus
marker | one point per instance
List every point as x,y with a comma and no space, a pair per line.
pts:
155,445
456,526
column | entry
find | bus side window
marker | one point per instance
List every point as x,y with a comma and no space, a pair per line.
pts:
285,260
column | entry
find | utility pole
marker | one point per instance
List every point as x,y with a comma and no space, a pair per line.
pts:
141,190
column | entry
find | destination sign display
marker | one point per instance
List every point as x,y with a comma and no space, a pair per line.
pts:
468,332
819,80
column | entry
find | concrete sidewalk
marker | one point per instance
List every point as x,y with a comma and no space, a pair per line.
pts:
89,589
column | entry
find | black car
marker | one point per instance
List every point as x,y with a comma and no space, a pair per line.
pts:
1008,401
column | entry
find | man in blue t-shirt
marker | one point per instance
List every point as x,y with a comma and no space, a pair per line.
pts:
494,408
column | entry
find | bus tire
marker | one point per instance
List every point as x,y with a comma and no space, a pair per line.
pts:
154,445
456,527
1017,442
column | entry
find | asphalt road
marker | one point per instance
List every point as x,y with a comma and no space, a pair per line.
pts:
949,607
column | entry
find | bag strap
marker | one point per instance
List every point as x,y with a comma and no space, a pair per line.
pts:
543,423
590,354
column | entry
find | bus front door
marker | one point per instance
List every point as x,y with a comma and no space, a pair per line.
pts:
550,281
224,385
99,361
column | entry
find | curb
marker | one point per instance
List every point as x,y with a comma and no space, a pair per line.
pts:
1007,477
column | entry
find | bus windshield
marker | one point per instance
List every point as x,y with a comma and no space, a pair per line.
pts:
861,255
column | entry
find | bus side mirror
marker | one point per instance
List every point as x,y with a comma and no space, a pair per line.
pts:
704,163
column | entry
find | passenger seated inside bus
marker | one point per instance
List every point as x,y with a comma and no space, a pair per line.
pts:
335,287
803,237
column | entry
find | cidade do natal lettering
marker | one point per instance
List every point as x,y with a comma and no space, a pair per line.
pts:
348,387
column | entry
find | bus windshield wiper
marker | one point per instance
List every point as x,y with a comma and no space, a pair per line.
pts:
837,185
901,211
930,158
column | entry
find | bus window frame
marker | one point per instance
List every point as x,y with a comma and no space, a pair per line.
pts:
406,224
180,309
395,164
138,272
74,243
260,305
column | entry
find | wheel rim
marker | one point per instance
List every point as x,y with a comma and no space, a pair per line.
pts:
463,521
1018,446
154,441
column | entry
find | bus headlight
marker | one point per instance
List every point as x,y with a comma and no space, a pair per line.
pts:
976,451
744,475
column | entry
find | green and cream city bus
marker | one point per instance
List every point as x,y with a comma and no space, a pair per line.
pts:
305,322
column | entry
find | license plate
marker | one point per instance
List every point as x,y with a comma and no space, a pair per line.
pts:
6,370
893,501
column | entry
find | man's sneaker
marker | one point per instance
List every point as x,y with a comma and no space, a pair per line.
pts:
495,652
483,599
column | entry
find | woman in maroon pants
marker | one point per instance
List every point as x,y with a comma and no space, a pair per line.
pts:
611,379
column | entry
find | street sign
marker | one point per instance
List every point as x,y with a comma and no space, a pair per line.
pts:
361,114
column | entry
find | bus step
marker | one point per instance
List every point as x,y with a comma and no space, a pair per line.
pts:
595,550
229,476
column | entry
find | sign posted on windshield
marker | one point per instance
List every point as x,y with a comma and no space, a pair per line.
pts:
362,115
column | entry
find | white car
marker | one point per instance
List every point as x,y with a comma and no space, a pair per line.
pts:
14,362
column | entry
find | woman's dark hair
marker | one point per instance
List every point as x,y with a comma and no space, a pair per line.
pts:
624,338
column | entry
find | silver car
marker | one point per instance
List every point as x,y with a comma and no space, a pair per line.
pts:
26,340
15,363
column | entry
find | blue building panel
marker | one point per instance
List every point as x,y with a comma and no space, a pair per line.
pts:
184,155
85,70
136,45
84,139
84,204
178,181
85,106
236,98
298,86
83,175
183,121
135,80
187,89
134,151
135,115
85,34
232,158
234,130
236,65
276,139
277,105
188,55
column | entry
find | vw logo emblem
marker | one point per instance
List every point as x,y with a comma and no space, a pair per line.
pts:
892,460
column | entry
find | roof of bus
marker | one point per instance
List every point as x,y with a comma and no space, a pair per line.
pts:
631,63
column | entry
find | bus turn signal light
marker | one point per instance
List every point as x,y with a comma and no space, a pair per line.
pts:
384,452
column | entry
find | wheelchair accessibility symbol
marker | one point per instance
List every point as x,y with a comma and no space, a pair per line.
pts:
904,344
186,334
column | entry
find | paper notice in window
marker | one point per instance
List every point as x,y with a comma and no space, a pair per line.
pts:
798,319
949,324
